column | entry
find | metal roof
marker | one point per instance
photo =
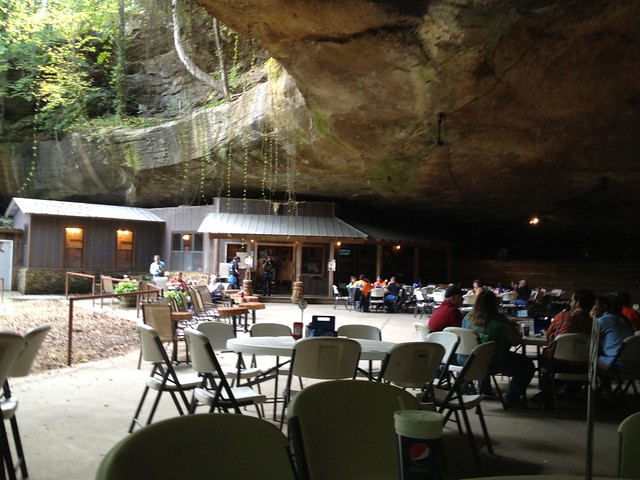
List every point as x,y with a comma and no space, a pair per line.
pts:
34,206
278,225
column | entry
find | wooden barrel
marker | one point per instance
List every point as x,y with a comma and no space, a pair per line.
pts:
247,286
298,292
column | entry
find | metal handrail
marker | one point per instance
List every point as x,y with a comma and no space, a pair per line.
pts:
82,275
92,297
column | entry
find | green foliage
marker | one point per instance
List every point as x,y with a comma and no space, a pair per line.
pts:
173,294
51,52
125,287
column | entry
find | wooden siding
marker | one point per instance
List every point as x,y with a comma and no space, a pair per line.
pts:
602,277
47,242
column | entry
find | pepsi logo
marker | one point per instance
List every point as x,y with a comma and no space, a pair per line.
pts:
419,453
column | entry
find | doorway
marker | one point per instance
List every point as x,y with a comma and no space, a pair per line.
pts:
282,276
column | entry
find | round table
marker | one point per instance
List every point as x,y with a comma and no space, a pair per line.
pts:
283,346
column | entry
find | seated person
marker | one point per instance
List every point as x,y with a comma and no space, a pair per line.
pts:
628,311
493,326
614,328
477,287
448,313
177,283
216,289
524,292
365,287
379,283
391,293
577,320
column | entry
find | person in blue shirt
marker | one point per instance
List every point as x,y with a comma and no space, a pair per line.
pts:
614,328
234,273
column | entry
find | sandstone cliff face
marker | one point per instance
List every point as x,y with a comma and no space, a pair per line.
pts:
478,110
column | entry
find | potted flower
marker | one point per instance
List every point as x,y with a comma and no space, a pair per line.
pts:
127,287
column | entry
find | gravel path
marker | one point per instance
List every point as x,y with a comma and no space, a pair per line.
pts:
97,333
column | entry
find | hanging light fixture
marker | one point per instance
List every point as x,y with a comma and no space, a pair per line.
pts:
534,220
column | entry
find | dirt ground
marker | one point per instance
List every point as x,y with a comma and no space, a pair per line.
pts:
96,335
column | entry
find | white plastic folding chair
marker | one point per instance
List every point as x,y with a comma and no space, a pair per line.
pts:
422,330
413,365
450,342
267,329
214,389
629,447
321,414
572,348
376,299
218,333
163,377
367,332
339,298
625,368
21,368
201,446
457,399
11,344
420,303
321,358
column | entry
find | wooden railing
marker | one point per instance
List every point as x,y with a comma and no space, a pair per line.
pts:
93,297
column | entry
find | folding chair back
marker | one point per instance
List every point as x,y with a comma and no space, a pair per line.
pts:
209,446
421,330
320,412
477,369
450,342
629,447
33,341
152,351
412,364
158,317
325,358
270,330
218,333
11,344
572,347
367,332
468,339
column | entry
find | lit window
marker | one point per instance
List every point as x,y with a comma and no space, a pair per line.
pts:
124,249
73,247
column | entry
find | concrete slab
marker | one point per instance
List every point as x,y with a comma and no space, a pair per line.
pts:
70,418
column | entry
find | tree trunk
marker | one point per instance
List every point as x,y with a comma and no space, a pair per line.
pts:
223,66
191,67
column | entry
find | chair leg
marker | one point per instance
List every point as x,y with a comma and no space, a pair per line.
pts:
134,420
485,432
472,440
22,462
5,451
499,392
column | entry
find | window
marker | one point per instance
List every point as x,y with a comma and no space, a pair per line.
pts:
186,252
73,247
124,250
313,261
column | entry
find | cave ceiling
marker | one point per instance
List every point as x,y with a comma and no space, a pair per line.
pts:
479,113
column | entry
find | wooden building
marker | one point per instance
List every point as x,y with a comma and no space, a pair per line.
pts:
70,236
306,240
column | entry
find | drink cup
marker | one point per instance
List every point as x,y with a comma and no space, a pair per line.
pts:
419,434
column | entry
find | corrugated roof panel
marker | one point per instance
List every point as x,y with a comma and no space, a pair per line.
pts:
277,225
33,206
